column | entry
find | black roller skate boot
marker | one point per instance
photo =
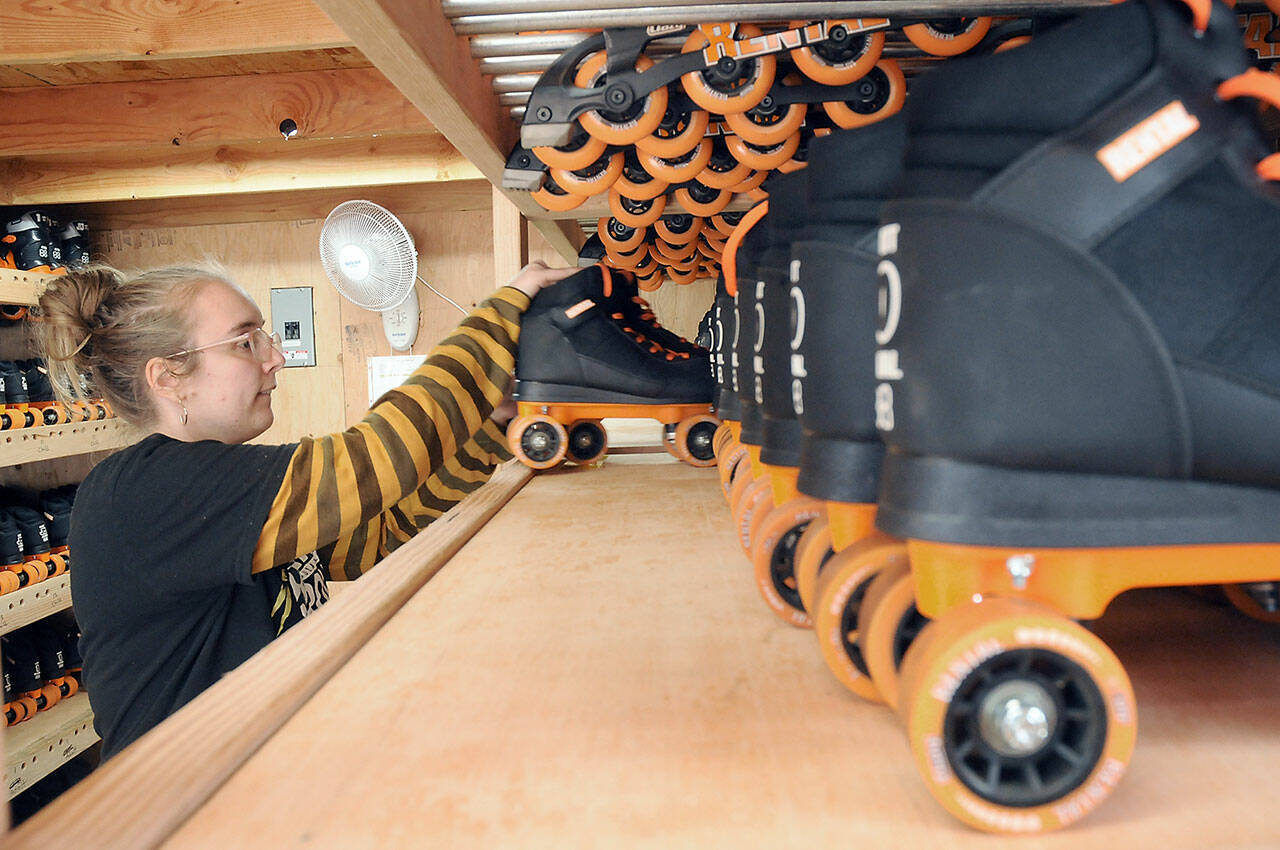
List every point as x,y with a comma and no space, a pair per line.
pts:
56,506
53,667
833,323
27,245
22,659
576,366
742,254
17,412
35,536
774,533
40,394
1078,370
627,308
15,571
731,456
73,240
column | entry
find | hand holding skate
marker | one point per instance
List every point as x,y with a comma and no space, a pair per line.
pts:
536,276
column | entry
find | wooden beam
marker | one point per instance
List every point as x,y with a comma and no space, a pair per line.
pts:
310,204
166,172
142,795
510,238
413,43
207,111
111,30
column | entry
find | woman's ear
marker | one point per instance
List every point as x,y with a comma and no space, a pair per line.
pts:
161,379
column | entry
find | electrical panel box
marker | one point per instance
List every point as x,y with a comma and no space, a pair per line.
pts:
293,317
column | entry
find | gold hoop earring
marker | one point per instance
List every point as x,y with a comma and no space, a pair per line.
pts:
183,417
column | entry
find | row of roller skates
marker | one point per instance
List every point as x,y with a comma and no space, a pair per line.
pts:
29,399
33,536
36,242
42,667
693,116
590,349
1022,358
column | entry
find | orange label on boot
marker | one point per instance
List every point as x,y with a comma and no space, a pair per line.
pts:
578,309
1143,143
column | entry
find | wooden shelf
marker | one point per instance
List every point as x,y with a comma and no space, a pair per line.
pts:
22,287
23,445
34,602
35,748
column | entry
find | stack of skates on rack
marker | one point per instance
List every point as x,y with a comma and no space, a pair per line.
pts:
1035,356
591,349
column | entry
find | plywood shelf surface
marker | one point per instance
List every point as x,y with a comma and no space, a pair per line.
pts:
24,445
35,748
596,668
33,602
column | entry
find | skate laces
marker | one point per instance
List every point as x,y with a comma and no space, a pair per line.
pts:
640,338
1265,88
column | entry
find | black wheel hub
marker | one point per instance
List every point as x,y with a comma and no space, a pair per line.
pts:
849,626
540,442
700,439
909,626
1025,728
585,441
872,92
782,566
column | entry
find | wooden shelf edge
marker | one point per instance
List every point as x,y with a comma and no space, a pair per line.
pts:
23,445
34,602
35,748
18,287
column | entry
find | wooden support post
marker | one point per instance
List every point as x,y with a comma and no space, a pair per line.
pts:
510,238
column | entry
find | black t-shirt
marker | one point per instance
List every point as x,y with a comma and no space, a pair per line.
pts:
162,535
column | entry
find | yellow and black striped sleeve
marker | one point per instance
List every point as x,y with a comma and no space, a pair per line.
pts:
352,556
336,485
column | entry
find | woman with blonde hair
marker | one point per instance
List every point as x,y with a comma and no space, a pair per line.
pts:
194,549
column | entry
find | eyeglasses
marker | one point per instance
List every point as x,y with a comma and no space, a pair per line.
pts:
256,342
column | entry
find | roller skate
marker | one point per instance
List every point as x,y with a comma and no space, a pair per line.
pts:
56,506
53,665
1076,373
17,411
27,244
73,241
22,664
576,366
40,397
775,526
730,454
751,490
15,570
37,541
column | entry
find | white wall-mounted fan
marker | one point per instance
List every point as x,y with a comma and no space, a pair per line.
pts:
370,259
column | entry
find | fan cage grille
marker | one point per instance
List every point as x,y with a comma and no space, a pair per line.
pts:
392,263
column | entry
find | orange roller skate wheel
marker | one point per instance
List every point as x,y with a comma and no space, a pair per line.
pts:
682,169
813,550
683,277
676,135
537,441
1019,719
738,487
767,125
722,171
647,266
752,181
627,130
756,499
693,440
587,442
774,557
649,282
1244,602
619,237
9,581
726,223
636,183
755,75
837,611
884,90
763,158
582,150
731,468
840,61
678,229
702,200
592,180
671,254
892,623
628,260
709,251
948,38
636,213
552,197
